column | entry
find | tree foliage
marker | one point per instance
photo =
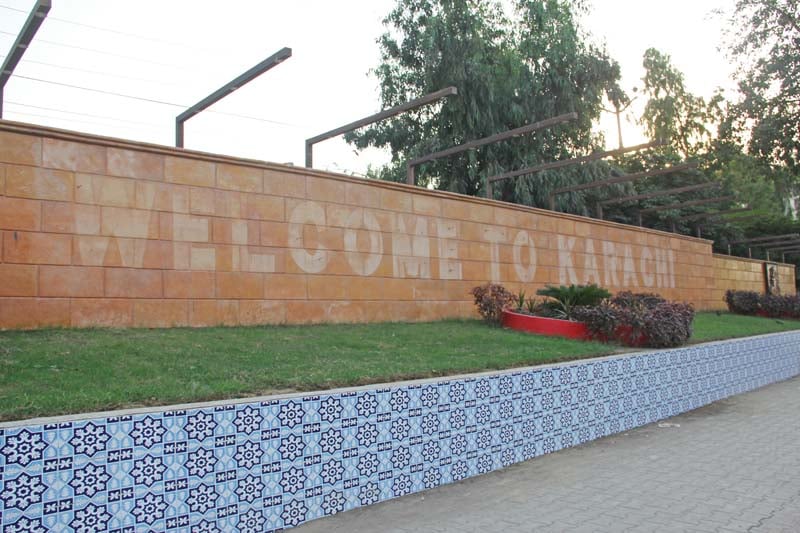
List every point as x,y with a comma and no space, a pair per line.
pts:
695,130
764,39
519,61
514,68
673,113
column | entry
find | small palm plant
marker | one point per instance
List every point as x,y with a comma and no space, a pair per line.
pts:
533,305
564,300
521,300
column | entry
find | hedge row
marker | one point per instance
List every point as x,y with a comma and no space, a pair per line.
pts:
770,305
639,319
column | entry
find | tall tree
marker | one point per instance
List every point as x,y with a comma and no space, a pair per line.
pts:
510,69
764,39
672,112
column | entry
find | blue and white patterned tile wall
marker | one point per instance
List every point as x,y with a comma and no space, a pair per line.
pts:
255,467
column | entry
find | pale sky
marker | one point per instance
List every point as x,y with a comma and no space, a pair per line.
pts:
179,51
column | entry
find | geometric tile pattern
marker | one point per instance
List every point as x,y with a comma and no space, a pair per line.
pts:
262,466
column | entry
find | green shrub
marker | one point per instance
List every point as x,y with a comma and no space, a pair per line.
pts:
634,299
491,299
742,302
795,309
771,305
639,320
602,320
777,306
668,324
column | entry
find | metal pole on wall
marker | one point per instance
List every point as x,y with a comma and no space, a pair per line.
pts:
386,113
273,60
617,179
784,246
656,194
768,238
471,145
575,161
26,34
681,205
714,214
740,219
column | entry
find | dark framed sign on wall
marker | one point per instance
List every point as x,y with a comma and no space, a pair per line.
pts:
771,278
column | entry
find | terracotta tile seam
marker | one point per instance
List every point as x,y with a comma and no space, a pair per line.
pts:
220,300
41,151
18,127
749,260
189,305
577,267
432,284
329,203
385,233
73,249
136,180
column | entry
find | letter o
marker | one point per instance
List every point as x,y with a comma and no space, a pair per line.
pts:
361,265
302,214
525,274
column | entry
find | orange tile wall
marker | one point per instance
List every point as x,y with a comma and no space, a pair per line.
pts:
103,232
743,274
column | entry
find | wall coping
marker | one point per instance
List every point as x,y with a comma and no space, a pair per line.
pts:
340,390
749,260
69,135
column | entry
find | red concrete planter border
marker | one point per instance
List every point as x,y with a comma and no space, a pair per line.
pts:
551,327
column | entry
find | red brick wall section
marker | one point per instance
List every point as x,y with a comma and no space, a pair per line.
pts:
102,232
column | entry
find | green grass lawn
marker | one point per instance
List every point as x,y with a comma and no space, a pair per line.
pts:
713,326
67,371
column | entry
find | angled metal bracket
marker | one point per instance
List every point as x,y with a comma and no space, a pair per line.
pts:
377,117
575,161
471,145
769,238
26,34
273,60
654,194
713,214
618,179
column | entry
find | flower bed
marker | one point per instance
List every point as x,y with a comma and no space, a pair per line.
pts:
587,312
540,325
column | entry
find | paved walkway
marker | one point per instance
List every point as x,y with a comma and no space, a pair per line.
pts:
731,466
